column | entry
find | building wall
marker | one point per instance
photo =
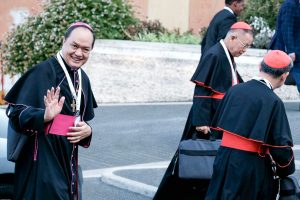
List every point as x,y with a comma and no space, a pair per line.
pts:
175,16
202,11
182,14
15,11
140,7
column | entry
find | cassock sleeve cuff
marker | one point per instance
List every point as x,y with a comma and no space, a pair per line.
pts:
32,120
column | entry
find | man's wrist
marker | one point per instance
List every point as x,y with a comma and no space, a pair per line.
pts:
46,118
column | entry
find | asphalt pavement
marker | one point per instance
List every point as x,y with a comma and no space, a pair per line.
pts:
132,145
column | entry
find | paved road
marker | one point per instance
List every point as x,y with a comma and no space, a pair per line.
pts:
132,145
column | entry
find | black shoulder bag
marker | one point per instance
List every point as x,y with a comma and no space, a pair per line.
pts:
15,141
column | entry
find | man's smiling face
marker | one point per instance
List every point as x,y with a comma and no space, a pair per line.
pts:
77,47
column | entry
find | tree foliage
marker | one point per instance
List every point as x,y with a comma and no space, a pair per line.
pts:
261,15
41,36
266,9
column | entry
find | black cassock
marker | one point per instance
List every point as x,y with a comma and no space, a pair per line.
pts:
213,75
254,111
47,167
217,29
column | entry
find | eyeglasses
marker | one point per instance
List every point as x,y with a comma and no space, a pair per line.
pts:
245,46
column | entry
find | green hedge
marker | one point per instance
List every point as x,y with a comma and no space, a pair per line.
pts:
262,14
41,36
266,9
153,31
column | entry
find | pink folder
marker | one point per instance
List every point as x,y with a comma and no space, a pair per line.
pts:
60,125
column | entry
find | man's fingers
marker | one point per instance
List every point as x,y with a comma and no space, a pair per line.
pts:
73,139
45,101
47,97
73,134
198,129
57,91
61,102
52,94
48,93
204,129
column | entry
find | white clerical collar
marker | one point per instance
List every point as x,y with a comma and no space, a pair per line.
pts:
229,9
233,71
264,81
76,94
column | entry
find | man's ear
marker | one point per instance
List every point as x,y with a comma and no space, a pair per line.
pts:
284,76
233,37
234,4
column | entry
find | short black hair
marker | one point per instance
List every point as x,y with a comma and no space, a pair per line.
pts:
275,72
72,28
229,2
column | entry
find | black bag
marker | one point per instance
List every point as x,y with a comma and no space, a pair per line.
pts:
15,141
289,189
196,158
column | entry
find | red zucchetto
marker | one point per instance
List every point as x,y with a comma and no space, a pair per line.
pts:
277,59
241,25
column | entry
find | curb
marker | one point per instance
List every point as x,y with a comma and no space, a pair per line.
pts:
107,176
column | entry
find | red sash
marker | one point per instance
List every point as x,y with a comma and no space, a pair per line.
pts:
241,143
217,96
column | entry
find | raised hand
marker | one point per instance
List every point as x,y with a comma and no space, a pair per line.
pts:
53,105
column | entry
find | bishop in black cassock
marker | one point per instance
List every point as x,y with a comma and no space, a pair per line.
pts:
215,74
259,149
47,167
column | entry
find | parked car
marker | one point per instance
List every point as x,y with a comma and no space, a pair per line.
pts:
6,167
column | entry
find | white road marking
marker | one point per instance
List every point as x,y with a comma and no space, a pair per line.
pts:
100,172
107,176
297,164
296,147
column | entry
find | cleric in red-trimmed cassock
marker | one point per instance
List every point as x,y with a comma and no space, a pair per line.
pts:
256,133
215,74
50,94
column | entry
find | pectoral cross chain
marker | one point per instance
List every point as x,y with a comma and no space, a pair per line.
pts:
73,105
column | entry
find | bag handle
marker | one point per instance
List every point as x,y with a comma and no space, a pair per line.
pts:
212,136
